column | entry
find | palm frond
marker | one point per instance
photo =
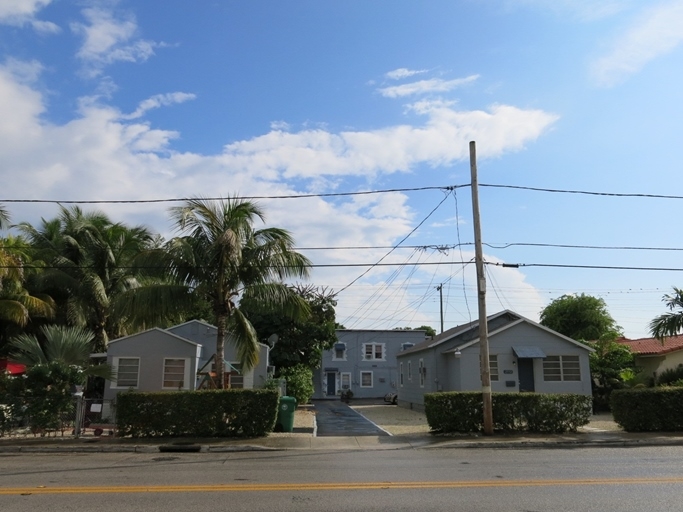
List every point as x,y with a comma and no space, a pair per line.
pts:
246,339
25,349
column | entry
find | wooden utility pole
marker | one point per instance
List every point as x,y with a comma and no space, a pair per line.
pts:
440,288
481,292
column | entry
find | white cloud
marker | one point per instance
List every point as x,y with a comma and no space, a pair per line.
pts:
280,126
23,12
425,86
100,155
108,39
658,31
441,140
159,100
584,10
400,73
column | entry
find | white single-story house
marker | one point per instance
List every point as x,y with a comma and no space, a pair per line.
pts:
177,358
654,356
524,356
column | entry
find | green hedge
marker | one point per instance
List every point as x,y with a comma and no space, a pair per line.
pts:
648,409
512,412
214,413
299,382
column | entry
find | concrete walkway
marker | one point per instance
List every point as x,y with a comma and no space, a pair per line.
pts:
335,418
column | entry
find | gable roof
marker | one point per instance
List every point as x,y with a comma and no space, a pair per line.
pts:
164,331
497,323
653,346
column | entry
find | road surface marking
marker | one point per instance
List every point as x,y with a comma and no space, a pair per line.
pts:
336,486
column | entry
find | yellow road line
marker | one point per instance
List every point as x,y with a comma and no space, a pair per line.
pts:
336,486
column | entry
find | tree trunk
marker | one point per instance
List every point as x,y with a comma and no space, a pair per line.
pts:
221,321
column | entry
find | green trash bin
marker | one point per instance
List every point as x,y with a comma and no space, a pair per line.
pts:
285,414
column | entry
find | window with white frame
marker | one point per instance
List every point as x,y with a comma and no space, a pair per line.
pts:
127,371
561,368
400,374
366,379
175,375
421,370
373,351
339,352
493,366
345,380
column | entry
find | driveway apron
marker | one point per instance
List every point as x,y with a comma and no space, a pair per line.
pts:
335,418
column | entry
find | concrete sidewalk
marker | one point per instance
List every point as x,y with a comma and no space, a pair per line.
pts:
570,440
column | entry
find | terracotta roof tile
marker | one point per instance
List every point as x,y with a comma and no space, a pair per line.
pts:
653,346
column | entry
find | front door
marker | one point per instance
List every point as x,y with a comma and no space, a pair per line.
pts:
526,375
331,383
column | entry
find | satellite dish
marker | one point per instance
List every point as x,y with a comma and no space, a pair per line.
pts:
272,339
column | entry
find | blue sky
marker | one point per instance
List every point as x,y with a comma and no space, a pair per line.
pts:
123,100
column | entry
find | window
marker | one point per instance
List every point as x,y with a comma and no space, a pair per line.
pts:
421,370
174,374
400,374
339,352
127,371
561,368
410,374
373,351
493,366
346,380
366,379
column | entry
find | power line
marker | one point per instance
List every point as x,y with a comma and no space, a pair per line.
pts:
182,199
584,192
402,240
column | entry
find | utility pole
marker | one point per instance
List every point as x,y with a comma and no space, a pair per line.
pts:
440,288
481,292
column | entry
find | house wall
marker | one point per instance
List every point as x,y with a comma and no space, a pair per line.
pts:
384,372
447,372
652,366
151,347
205,335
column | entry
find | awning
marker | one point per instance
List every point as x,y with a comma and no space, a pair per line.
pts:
528,352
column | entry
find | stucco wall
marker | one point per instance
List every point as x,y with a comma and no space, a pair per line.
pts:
151,347
384,372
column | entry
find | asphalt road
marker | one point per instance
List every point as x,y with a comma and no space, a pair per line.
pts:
576,480
335,418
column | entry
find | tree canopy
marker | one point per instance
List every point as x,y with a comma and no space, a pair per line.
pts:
299,341
580,317
671,323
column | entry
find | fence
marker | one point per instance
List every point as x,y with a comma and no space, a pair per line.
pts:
75,418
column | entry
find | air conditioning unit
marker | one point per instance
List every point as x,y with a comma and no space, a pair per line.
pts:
270,370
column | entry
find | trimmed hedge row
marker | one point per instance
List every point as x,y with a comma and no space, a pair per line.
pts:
512,412
648,409
210,413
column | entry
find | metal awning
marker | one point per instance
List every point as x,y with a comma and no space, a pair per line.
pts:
528,352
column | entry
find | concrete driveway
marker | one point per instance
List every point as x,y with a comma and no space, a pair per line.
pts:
335,418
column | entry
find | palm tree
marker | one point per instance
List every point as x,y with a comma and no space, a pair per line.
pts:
221,258
669,324
68,345
17,304
88,261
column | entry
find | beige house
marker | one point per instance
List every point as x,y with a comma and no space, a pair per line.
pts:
655,356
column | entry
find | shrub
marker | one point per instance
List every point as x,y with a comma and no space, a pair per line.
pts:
299,382
210,413
532,412
648,409
670,375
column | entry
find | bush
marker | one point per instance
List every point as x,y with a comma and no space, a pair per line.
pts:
211,413
299,382
512,412
669,376
648,409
